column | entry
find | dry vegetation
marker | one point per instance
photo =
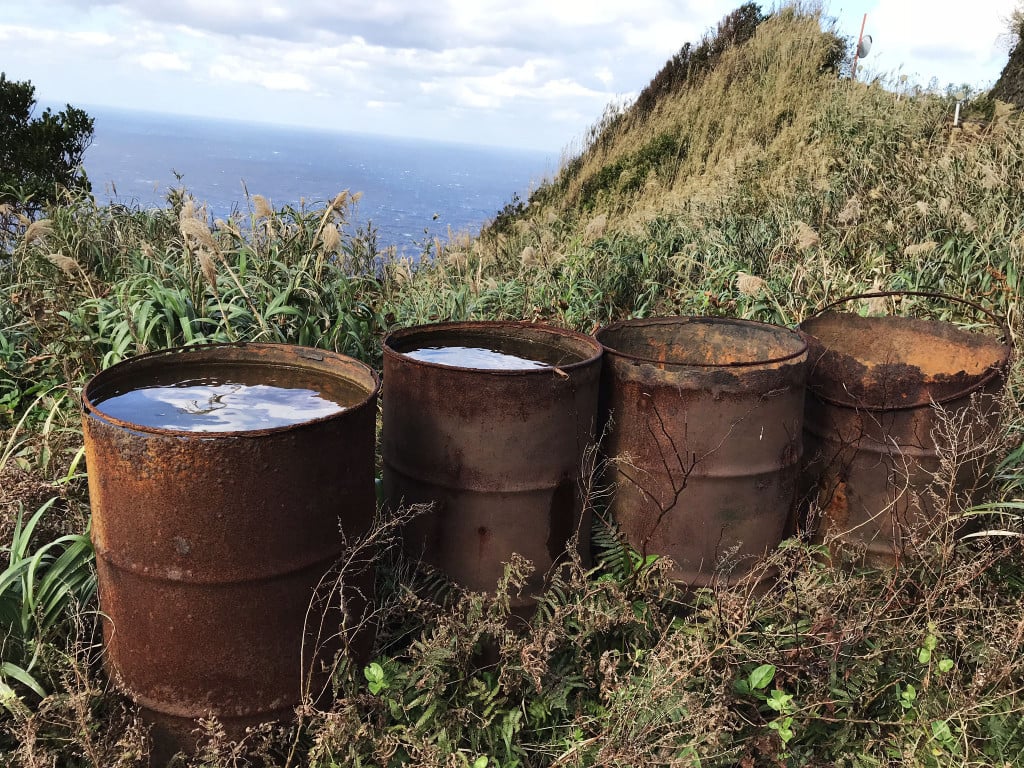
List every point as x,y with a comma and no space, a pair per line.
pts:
762,187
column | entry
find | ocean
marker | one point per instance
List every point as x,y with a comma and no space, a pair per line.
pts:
412,190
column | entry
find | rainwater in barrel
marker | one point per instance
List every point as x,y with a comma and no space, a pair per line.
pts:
222,479
489,422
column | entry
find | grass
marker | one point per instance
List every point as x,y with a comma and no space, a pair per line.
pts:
763,188
36,590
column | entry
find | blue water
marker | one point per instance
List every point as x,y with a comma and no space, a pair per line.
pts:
413,190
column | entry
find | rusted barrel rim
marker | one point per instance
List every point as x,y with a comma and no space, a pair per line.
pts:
1001,322
301,353
699,319
494,329
993,372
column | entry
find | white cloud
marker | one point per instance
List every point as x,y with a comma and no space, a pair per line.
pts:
50,36
467,69
91,38
28,34
234,69
13,33
666,35
157,61
568,115
468,96
522,86
284,81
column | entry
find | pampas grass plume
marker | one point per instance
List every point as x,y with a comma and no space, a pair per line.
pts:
209,271
330,237
65,263
195,228
851,211
261,206
749,285
920,249
339,200
38,230
805,236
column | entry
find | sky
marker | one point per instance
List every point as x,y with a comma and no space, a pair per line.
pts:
532,74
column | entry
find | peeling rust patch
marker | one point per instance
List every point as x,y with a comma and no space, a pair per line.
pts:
837,508
885,363
878,390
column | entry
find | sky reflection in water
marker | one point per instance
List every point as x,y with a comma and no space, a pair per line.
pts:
228,407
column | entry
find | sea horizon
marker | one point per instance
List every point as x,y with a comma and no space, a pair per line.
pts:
412,190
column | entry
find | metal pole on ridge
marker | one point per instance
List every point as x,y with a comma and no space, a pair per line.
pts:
856,54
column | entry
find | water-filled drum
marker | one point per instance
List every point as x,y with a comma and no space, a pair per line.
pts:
225,482
488,423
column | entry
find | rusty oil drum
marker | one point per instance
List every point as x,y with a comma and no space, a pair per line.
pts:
880,389
210,545
704,418
499,453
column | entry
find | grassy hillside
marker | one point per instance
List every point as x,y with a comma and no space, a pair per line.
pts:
751,179
768,165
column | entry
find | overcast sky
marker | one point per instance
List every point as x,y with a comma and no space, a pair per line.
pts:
528,73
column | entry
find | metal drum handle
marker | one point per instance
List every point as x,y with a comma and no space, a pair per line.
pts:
999,321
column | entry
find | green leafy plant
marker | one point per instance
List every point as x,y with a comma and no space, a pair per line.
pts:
375,678
778,701
36,589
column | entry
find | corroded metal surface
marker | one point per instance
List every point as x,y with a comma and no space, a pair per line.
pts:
884,394
210,546
705,418
498,452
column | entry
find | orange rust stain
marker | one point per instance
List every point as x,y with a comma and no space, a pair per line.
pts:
837,511
933,348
